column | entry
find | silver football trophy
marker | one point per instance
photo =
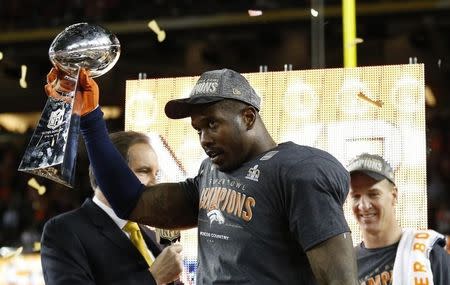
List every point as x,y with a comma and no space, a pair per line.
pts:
52,150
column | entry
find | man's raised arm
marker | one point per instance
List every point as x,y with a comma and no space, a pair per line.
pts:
164,205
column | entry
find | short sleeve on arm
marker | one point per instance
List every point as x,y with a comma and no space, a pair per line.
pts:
316,189
191,187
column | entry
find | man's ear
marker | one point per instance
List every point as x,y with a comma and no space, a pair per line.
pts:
395,194
249,115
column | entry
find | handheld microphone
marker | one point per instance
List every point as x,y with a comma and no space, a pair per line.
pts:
167,238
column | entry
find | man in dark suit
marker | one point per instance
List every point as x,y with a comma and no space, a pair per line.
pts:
89,246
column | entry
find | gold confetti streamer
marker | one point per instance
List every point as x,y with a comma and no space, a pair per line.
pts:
355,42
155,28
36,246
314,12
34,184
377,103
430,99
255,13
22,81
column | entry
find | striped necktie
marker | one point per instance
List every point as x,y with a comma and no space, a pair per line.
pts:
138,240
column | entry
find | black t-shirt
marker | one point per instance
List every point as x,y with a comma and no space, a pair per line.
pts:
375,266
256,223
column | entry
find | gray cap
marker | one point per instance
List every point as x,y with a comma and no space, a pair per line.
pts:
214,86
373,165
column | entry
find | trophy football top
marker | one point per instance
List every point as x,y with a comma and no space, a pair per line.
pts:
85,45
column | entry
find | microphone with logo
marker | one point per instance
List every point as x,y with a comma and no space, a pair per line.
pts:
167,238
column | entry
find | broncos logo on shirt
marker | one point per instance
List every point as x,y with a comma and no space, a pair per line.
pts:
216,216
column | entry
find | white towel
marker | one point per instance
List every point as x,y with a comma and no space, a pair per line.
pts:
412,261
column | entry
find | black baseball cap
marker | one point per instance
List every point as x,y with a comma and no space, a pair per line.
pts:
214,86
373,165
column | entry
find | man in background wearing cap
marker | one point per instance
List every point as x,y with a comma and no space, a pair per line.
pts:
266,213
389,254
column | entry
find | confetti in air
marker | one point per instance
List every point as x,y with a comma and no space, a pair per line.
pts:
430,99
314,12
254,13
355,42
36,246
34,184
377,103
22,81
155,28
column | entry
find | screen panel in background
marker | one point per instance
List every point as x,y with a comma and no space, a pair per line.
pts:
379,109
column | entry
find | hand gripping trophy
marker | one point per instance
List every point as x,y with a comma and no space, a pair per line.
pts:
52,150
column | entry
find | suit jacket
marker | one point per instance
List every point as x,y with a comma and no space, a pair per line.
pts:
85,246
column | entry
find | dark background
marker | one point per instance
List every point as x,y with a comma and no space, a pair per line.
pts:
202,35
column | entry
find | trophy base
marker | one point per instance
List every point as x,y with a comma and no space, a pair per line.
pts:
50,173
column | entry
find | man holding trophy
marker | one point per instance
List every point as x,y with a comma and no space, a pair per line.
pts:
262,247
267,251
287,241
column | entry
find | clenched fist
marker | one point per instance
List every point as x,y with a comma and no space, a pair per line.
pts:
87,93
168,266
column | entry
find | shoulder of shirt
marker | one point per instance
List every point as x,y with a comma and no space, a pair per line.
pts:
295,153
440,248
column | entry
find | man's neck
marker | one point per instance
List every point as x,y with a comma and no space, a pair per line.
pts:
264,141
382,239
